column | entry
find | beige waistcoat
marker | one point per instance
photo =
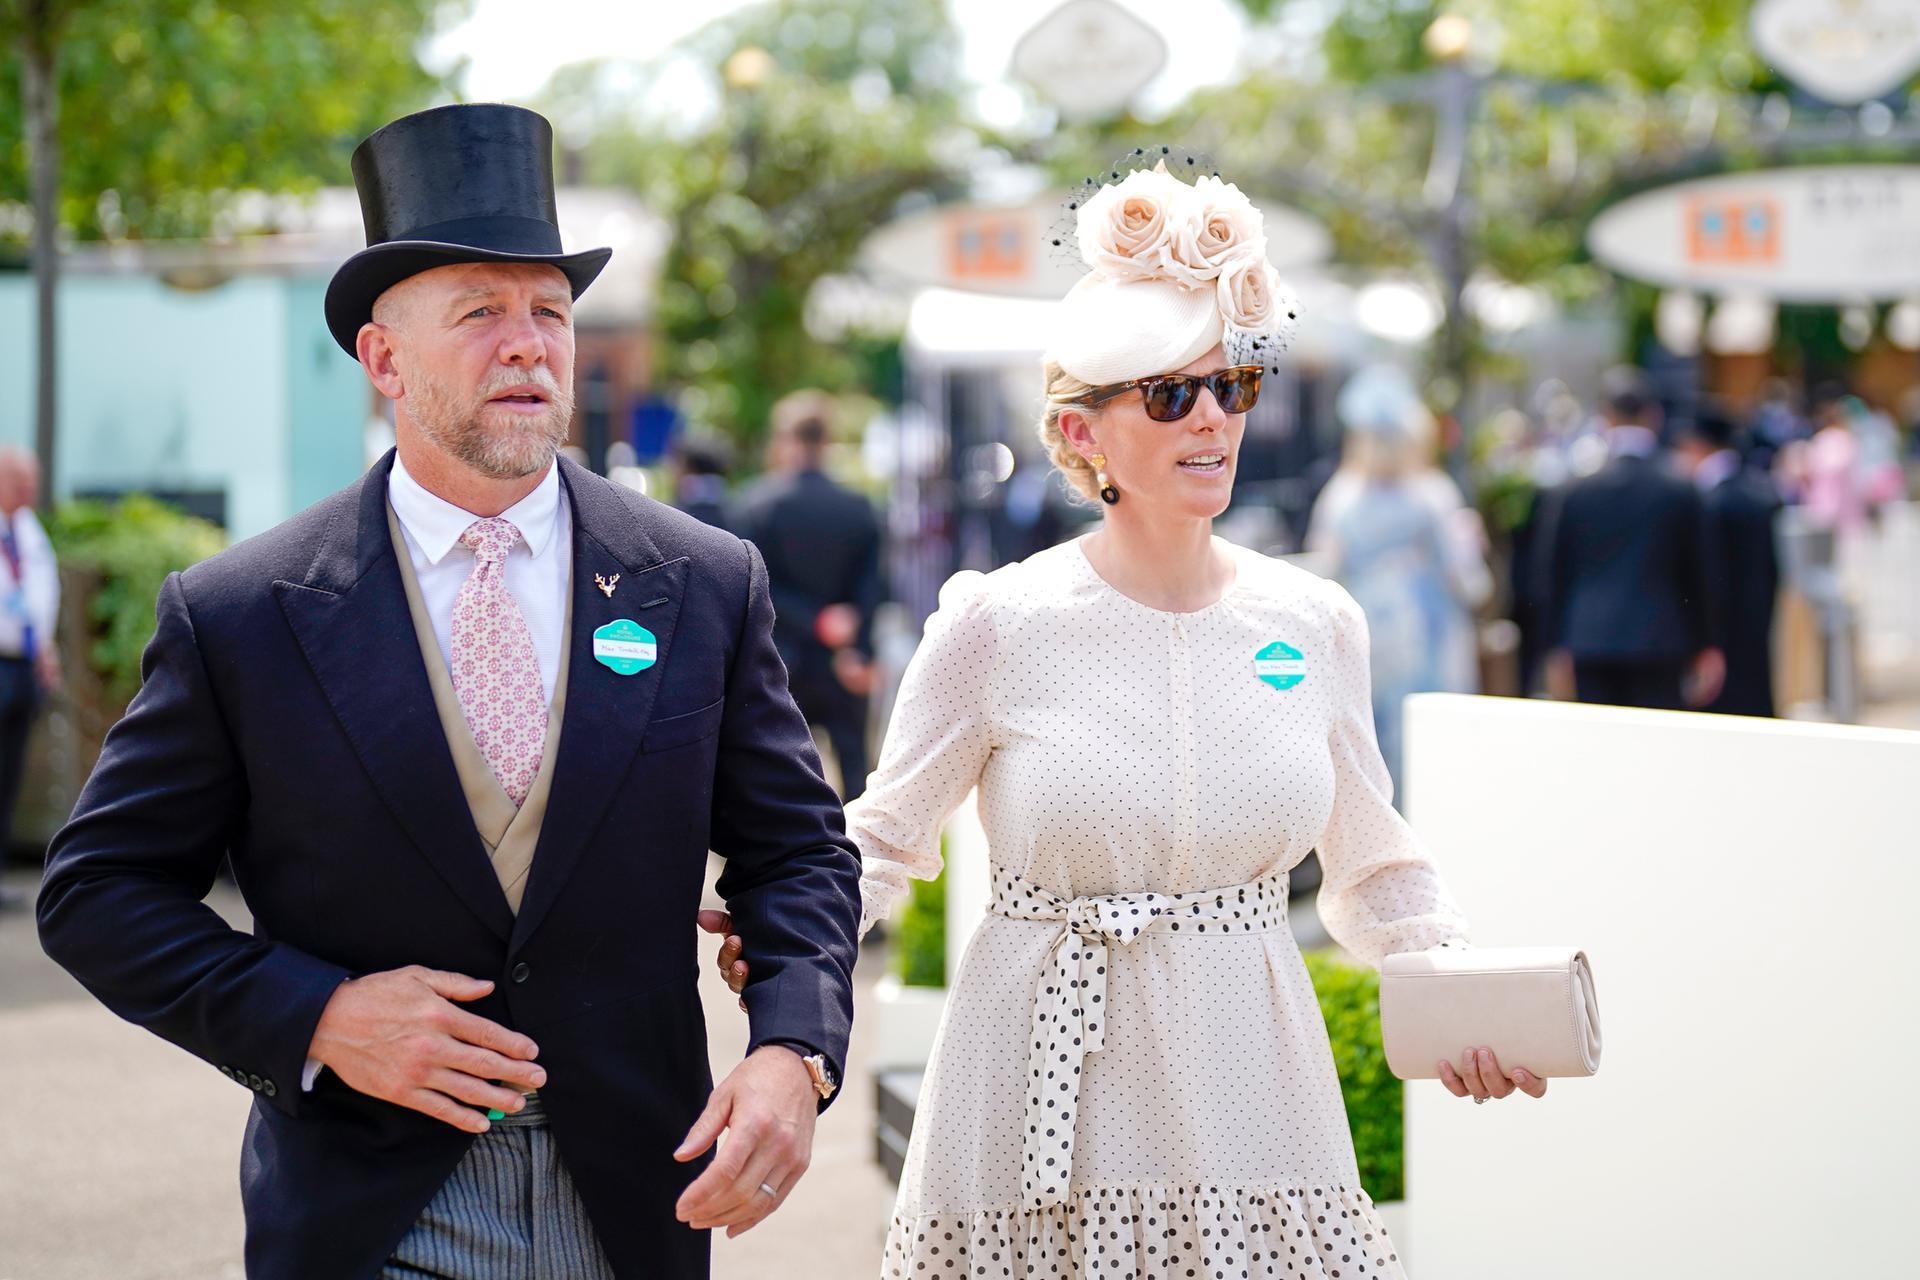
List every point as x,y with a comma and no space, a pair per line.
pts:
509,834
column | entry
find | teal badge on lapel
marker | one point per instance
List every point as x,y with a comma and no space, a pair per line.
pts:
1280,665
625,647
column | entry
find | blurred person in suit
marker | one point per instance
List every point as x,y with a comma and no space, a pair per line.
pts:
29,603
821,542
1622,571
1740,505
700,479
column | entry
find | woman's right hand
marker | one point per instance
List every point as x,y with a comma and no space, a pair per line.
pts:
1480,1077
733,970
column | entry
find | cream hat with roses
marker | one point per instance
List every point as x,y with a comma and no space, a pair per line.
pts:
1174,269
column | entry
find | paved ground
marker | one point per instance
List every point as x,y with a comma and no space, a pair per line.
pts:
118,1152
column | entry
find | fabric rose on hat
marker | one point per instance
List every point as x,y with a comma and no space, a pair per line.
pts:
1125,229
1221,228
1249,292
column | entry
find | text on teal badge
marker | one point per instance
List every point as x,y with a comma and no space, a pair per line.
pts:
625,647
1280,665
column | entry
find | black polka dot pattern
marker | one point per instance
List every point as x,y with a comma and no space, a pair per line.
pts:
1069,1001
1323,1232
1132,758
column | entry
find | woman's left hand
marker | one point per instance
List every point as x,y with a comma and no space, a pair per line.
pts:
733,970
1479,1077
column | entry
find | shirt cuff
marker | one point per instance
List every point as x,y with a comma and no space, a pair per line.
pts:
310,1074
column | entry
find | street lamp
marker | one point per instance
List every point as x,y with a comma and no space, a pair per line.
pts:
1447,41
749,68
1448,38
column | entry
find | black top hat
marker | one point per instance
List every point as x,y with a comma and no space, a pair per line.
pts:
467,183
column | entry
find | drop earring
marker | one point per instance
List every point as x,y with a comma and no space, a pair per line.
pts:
1108,494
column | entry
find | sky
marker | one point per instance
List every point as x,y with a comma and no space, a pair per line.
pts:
510,56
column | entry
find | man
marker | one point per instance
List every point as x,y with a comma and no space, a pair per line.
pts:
467,730
700,479
29,603
1622,575
822,545
1740,507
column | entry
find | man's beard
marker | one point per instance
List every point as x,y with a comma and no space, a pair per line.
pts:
506,446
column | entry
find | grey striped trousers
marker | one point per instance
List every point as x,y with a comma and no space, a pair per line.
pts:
508,1212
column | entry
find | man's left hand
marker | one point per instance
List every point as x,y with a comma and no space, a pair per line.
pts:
768,1107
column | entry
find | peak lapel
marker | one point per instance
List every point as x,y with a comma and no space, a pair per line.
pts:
606,714
351,620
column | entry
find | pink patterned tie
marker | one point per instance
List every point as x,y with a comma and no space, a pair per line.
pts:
496,673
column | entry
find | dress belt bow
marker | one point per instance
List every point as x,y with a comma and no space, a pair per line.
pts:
1070,999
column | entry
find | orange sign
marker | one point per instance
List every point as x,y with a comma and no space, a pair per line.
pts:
987,246
1733,229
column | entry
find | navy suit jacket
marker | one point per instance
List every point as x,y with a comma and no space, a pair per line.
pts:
1743,572
1621,566
286,722
822,545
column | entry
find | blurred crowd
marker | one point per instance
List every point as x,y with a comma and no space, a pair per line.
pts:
1620,552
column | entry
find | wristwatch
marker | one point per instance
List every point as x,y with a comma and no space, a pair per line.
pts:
821,1070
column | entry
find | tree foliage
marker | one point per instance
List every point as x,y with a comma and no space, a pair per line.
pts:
166,105
800,155
1576,100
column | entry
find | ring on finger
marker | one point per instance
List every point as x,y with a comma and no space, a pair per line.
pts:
1478,1101
766,1187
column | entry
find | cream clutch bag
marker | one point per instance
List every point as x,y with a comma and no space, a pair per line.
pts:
1533,1006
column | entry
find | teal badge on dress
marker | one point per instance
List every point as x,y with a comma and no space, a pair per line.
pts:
625,647
1280,665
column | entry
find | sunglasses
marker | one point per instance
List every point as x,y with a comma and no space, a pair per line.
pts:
1169,397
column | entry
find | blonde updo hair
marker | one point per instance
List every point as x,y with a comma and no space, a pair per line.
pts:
1063,391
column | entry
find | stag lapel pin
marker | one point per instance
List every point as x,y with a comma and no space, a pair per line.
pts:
606,584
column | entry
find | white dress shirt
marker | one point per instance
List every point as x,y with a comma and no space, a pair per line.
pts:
539,572
35,599
1716,469
539,569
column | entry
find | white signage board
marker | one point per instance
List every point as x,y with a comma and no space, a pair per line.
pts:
1010,250
1820,234
1089,57
1744,889
1845,51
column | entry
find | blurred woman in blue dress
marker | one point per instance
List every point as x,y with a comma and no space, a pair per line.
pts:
1393,529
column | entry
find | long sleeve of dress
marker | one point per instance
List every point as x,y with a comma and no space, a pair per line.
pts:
935,748
1380,893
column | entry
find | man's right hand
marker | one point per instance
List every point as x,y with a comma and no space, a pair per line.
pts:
398,1036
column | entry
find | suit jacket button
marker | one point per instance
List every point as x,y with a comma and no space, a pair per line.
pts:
267,1088
521,972
253,1083
226,1071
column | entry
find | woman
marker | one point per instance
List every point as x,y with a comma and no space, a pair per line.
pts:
1397,535
1132,1077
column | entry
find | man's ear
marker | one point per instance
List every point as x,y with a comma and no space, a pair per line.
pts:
374,346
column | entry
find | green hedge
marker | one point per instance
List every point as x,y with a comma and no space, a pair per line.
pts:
128,548
1350,1001
920,955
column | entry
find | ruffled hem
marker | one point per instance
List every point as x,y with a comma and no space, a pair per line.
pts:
1154,1233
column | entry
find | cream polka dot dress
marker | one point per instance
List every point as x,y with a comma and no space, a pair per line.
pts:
1132,1077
